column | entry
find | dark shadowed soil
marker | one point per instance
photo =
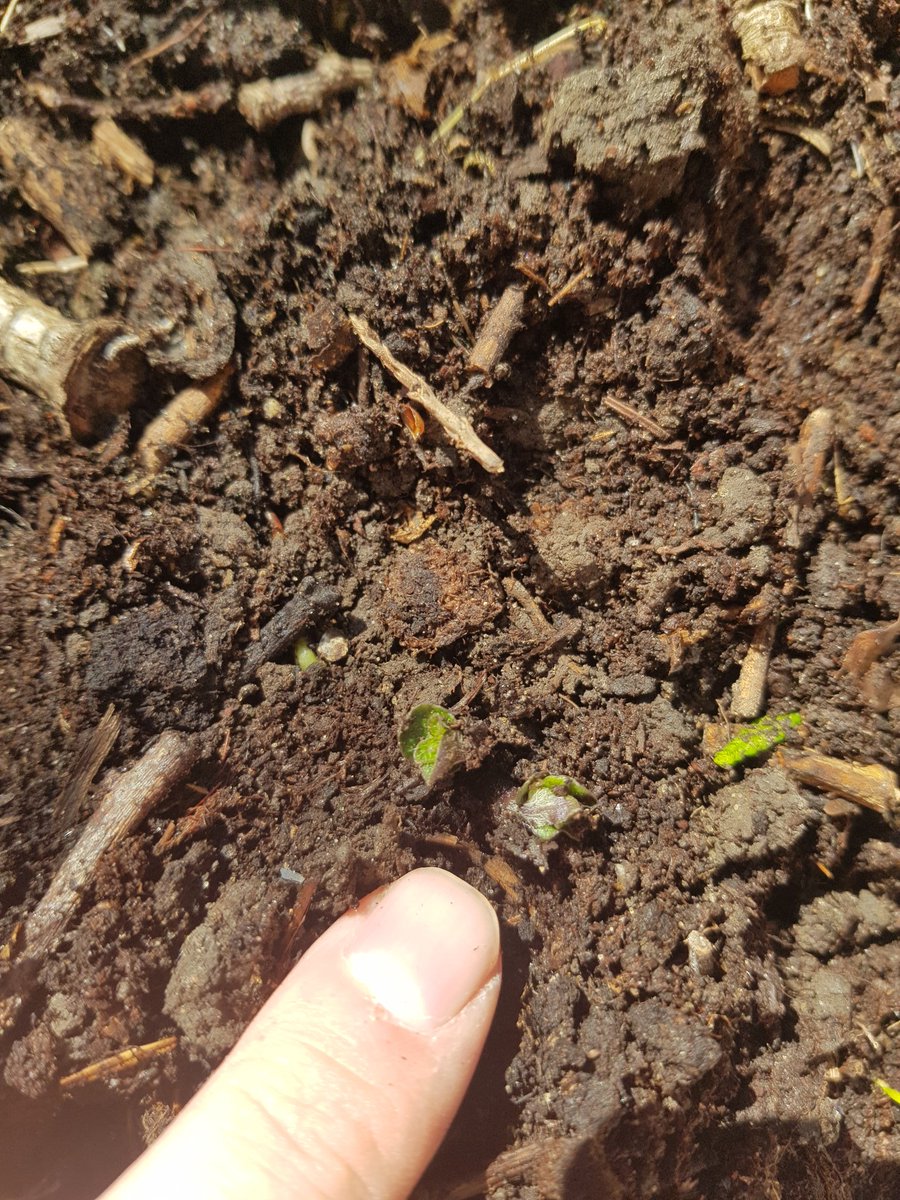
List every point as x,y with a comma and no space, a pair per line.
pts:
702,980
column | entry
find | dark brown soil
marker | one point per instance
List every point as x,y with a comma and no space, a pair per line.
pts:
588,610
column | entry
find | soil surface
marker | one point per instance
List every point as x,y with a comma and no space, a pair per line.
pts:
700,974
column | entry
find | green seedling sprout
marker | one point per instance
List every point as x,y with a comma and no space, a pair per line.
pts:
890,1092
548,803
304,655
756,738
422,738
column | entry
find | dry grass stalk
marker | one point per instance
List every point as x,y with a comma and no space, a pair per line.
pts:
127,803
501,325
630,413
749,696
179,421
176,106
115,148
458,429
128,1059
771,45
89,370
268,101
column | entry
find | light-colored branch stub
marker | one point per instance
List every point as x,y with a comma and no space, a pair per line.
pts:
268,101
89,370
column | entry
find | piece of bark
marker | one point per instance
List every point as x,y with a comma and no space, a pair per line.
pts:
88,762
61,181
115,148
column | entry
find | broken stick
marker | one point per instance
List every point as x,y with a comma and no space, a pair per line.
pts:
458,429
130,799
268,101
503,322
89,370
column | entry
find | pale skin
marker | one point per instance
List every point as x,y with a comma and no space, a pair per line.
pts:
344,1084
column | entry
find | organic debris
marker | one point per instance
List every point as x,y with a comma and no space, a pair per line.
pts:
748,697
114,148
457,428
538,53
304,655
288,623
128,1059
869,784
752,740
89,370
504,321
891,1092
268,101
548,804
175,427
771,45
882,242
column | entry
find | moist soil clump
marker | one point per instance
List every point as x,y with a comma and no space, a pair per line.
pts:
694,405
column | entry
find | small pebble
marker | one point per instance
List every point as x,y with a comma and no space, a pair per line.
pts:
333,647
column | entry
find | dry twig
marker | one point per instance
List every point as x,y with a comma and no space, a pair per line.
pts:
287,625
176,106
268,101
128,802
868,784
457,428
749,695
501,325
882,242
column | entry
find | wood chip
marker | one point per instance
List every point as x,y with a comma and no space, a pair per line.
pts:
504,320
458,429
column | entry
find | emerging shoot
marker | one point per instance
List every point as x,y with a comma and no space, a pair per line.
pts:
547,804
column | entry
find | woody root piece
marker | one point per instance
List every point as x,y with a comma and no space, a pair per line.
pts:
88,370
268,101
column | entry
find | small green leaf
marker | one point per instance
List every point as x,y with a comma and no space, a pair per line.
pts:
756,738
422,734
891,1093
547,804
304,655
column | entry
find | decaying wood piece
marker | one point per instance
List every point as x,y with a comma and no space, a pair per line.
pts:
128,802
503,322
115,148
749,696
89,370
61,181
771,44
458,429
90,759
268,101
869,784
869,646
178,422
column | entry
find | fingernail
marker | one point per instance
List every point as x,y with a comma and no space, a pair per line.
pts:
426,947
